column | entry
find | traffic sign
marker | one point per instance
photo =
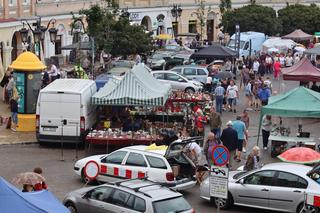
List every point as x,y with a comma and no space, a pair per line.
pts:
220,155
219,182
91,170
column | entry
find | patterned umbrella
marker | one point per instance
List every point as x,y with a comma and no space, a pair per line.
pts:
30,178
300,155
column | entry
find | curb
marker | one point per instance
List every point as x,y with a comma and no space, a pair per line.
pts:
17,143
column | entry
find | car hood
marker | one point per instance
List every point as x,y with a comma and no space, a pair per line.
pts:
157,61
96,158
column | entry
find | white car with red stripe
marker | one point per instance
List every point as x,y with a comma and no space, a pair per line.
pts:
139,162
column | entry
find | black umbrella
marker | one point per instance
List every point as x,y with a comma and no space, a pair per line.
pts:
224,75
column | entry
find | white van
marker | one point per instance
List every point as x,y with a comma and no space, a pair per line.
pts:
64,111
248,41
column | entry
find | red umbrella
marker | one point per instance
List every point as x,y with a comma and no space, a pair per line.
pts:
300,155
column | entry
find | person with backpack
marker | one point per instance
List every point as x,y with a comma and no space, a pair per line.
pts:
264,94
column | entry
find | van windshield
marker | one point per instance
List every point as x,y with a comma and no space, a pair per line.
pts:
232,44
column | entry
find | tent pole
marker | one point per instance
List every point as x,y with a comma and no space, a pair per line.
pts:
260,120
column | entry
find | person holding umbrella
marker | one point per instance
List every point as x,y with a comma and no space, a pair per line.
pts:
28,180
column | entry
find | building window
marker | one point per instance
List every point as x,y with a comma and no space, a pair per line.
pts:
25,2
57,45
192,26
175,28
12,2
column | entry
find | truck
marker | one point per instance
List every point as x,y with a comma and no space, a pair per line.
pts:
64,111
250,43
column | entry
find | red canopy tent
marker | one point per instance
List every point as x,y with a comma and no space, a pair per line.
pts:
302,71
298,35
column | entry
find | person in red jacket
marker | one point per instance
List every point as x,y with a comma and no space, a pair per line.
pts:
42,185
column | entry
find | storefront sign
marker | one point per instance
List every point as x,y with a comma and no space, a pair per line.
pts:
219,182
20,86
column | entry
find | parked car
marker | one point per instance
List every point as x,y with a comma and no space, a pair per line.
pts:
158,59
276,186
128,197
192,72
138,162
178,81
64,111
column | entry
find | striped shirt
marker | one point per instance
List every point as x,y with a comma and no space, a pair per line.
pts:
219,91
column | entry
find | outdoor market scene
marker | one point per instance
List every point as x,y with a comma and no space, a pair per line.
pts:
160,107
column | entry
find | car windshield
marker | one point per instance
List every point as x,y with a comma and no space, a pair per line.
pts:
158,56
172,47
177,204
232,44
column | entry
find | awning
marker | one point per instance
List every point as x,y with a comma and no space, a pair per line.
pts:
298,35
80,46
302,71
137,88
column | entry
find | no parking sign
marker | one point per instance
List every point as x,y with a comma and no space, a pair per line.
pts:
220,155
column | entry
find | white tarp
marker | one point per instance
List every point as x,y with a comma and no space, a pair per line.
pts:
283,45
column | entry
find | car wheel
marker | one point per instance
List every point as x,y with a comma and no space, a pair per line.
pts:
84,179
71,207
307,209
189,90
224,203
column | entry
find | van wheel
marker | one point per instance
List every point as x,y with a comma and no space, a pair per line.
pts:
189,90
307,209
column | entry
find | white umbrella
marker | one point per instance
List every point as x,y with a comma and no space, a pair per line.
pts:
300,49
273,49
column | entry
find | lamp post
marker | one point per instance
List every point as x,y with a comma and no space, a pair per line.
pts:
176,12
38,31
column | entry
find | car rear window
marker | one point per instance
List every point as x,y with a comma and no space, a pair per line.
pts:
177,204
157,163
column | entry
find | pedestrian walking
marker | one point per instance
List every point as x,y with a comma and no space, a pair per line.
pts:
276,69
245,77
215,122
14,113
269,63
219,93
253,159
54,72
249,94
246,120
266,128
264,94
241,130
255,66
229,138
232,95
208,146
9,88
262,69
200,121
268,83
42,185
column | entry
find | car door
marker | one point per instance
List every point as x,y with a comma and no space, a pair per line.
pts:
120,202
111,166
202,75
136,166
287,191
190,73
96,200
254,189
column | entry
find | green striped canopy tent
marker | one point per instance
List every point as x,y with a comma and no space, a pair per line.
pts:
137,88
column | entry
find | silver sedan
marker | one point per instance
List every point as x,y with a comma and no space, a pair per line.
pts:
276,186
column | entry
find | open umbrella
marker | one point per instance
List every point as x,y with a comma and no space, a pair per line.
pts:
301,155
224,75
31,178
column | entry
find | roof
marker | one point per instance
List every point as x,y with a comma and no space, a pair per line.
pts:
13,200
302,71
144,148
75,86
249,34
27,61
289,167
214,52
298,35
299,102
151,189
137,88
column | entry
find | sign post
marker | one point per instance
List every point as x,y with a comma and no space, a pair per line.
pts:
219,174
91,170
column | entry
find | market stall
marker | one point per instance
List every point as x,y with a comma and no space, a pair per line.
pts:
213,52
292,104
302,71
298,35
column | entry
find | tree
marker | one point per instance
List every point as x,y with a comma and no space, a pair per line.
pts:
251,18
224,5
297,16
113,32
201,14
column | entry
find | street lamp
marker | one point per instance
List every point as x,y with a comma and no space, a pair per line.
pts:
39,31
176,12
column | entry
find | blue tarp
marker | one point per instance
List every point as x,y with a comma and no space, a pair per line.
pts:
13,200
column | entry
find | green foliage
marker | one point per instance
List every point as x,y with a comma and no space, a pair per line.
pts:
201,15
224,5
251,18
306,18
113,33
